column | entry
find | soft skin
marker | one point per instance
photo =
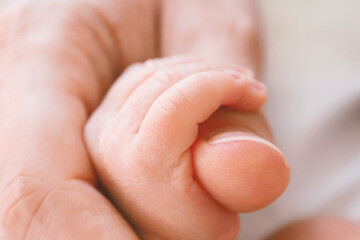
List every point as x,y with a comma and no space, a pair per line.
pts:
54,71
142,140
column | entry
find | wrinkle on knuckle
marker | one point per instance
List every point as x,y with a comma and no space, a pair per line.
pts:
21,200
161,76
37,212
172,100
76,36
166,76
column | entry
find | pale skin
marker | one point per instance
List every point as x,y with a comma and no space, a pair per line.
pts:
52,82
148,127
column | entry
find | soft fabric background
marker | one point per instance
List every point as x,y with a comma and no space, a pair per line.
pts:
312,50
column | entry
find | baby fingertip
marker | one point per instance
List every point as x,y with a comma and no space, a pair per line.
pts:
257,85
236,75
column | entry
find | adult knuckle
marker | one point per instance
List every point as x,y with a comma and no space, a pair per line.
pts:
21,199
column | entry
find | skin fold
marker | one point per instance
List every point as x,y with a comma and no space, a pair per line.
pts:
55,71
52,76
150,135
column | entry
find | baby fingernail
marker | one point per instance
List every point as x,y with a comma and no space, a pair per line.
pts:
238,76
241,77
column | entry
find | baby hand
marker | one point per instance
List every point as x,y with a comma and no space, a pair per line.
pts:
169,181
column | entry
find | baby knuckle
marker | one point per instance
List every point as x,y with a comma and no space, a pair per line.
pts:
166,76
94,135
172,100
107,148
211,77
100,139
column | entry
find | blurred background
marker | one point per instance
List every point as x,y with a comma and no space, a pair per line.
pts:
312,70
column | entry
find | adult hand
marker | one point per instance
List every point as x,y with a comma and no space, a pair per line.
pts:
57,58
